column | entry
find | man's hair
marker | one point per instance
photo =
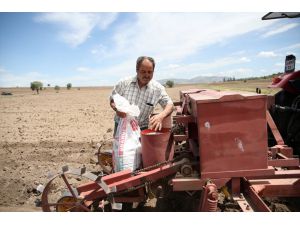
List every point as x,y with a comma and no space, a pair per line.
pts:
141,59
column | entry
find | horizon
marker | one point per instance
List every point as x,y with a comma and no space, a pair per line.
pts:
175,84
99,49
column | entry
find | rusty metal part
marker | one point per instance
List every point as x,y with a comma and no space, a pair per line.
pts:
257,203
105,159
244,203
186,170
61,193
68,204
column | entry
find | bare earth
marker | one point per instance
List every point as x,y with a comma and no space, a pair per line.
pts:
41,133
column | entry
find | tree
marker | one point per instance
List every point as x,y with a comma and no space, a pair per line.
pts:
36,85
56,88
170,83
69,85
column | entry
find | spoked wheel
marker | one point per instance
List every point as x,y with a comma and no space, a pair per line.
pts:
64,192
105,158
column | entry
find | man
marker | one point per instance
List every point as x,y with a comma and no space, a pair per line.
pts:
144,92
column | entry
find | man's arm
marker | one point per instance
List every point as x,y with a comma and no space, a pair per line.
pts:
113,106
117,89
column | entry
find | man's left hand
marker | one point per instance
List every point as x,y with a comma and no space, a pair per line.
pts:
155,122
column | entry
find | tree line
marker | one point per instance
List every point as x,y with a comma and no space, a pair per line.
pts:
38,86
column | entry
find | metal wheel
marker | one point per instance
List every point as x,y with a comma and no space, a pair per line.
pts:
105,159
62,192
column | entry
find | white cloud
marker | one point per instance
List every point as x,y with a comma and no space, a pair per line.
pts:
100,52
171,66
293,46
281,29
189,70
266,54
9,79
245,59
290,53
279,64
75,28
2,70
83,69
174,36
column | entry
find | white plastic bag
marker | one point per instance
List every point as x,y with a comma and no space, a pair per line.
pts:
123,105
126,145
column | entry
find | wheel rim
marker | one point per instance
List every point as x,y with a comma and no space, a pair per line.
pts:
61,195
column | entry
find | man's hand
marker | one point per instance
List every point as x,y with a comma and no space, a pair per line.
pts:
155,122
119,114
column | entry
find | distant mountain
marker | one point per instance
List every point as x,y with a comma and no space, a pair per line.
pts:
198,79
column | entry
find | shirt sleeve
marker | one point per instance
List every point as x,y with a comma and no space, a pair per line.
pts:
118,89
164,99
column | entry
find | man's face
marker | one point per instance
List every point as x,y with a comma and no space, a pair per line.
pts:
145,73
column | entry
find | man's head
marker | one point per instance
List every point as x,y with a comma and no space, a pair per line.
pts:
144,68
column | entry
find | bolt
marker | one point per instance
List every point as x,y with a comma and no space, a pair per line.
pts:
247,207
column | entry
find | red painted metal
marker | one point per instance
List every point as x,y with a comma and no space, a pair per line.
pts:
195,184
274,129
255,199
235,186
279,174
209,198
283,82
150,176
284,162
125,179
239,173
180,137
155,145
232,132
288,187
225,141
114,177
184,119
283,149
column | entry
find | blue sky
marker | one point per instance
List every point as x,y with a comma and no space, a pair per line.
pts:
98,49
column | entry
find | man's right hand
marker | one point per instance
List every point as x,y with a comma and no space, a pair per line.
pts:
121,114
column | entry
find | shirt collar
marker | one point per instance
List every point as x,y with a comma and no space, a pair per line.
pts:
134,80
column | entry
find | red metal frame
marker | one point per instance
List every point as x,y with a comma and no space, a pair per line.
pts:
231,142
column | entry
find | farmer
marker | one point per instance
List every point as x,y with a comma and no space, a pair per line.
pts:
144,92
